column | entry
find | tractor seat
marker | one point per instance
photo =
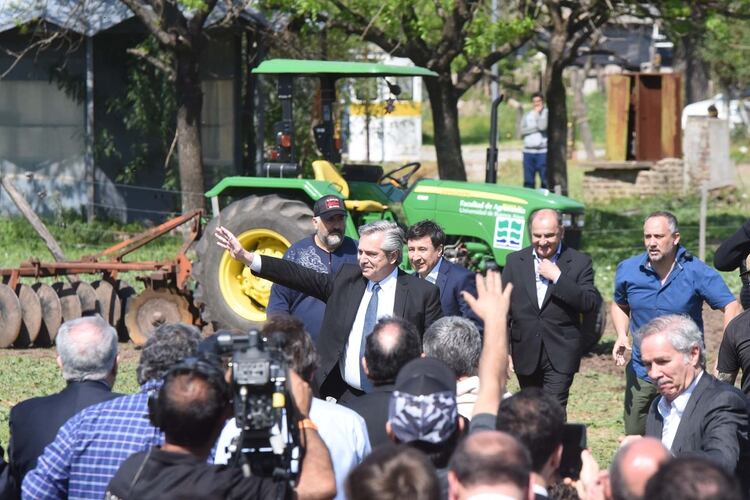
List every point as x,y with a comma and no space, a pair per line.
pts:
325,171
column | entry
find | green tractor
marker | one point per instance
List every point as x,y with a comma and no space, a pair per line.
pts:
483,221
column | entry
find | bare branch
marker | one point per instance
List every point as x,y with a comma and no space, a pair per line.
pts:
160,64
37,45
473,71
153,22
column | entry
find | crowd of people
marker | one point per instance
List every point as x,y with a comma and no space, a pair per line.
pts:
398,382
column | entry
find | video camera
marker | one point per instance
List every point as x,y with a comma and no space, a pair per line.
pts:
268,442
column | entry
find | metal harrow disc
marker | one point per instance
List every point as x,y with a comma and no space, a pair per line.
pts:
87,298
108,302
11,316
51,313
152,308
71,304
31,310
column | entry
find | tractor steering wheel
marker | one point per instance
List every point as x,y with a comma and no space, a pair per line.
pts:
400,182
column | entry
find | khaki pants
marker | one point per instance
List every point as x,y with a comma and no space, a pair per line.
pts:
638,397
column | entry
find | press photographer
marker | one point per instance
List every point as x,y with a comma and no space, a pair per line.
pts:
191,408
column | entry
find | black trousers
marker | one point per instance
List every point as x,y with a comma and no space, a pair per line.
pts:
552,382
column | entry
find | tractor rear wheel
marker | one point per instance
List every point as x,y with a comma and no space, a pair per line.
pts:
227,294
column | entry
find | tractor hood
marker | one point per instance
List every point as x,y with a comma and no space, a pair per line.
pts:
529,199
493,216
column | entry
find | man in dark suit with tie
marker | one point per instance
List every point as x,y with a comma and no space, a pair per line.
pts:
87,356
355,297
695,413
553,285
425,241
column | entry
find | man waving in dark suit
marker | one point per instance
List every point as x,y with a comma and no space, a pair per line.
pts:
553,285
355,297
425,241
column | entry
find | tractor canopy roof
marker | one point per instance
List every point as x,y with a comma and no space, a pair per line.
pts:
336,68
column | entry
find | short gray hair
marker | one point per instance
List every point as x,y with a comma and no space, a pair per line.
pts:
169,344
87,348
672,224
456,341
393,240
681,331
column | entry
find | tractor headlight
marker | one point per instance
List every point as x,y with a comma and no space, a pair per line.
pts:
567,220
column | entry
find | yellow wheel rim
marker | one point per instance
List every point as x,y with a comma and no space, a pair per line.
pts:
245,293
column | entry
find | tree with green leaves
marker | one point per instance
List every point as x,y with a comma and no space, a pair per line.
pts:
179,28
689,26
565,31
457,39
727,50
179,31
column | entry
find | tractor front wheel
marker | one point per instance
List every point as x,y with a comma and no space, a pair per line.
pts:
228,294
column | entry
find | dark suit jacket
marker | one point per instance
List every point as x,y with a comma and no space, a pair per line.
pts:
714,424
373,407
452,279
417,301
34,423
558,322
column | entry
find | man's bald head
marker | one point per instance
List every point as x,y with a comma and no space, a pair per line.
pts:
392,343
633,466
546,231
489,462
546,213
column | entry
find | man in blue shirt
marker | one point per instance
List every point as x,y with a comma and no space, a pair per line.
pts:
666,279
324,252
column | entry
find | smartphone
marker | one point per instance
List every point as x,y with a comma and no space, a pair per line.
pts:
574,442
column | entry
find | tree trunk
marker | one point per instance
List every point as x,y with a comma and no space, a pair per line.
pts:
557,129
697,71
444,105
189,148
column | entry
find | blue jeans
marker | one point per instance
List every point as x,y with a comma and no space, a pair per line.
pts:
533,163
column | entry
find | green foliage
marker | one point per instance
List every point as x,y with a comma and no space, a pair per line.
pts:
596,106
727,49
194,4
77,237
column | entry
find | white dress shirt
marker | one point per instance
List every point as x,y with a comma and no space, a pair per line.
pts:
433,274
350,360
671,413
541,282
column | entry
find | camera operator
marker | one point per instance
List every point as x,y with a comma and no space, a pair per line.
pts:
191,408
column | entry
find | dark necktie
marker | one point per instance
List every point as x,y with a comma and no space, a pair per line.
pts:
371,317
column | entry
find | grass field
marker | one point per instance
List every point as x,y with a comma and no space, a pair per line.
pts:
613,232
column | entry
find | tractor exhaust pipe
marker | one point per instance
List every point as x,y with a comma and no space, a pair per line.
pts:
490,175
